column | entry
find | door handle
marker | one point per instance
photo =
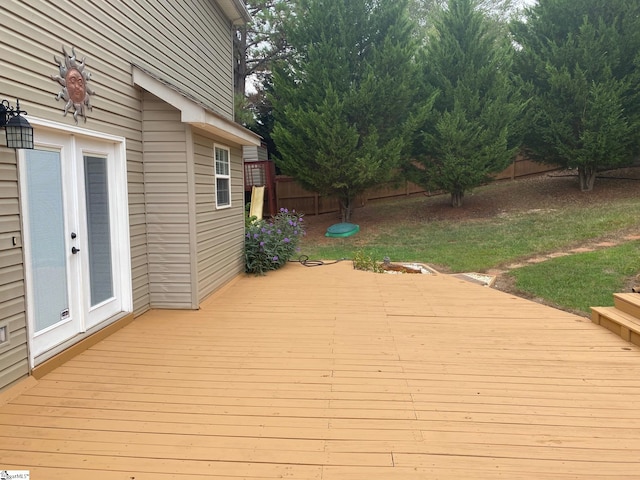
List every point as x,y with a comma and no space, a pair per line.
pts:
74,250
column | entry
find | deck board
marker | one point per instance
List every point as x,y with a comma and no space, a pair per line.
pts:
330,373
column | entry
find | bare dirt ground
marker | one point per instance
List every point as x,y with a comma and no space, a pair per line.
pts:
541,192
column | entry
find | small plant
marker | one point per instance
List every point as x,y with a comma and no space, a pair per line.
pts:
363,261
248,219
269,244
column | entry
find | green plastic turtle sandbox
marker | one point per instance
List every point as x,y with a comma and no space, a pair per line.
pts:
341,230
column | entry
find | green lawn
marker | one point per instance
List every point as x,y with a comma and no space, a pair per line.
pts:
477,245
580,281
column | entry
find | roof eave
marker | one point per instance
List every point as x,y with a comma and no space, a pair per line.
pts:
235,11
193,112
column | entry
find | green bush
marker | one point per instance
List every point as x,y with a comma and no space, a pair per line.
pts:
269,244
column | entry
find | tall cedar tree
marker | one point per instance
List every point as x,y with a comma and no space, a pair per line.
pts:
343,103
472,132
580,59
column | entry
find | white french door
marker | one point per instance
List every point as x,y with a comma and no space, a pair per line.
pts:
75,242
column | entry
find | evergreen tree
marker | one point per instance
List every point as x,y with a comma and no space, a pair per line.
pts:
580,60
473,130
343,103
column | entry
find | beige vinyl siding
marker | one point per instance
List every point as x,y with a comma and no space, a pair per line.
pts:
138,230
116,105
13,354
167,193
185,43
188,44
220,233
254,154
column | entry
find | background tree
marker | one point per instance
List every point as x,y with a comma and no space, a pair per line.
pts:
343,102
260,42
473,130
581,60
256,45
499,10
261,111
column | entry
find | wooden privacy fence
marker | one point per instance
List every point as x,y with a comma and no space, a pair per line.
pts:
523,167
289,194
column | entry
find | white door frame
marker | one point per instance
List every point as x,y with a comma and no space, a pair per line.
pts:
120,217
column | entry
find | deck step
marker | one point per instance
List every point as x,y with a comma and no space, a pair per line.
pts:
628,303
619,322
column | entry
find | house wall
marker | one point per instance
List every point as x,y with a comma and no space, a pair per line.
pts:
220,233
186,44
13,353
181,205
167,189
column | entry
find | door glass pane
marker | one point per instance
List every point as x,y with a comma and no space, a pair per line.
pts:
47,242
99,231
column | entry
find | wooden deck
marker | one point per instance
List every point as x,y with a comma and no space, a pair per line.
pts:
329,373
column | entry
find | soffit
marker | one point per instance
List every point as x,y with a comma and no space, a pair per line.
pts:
235,11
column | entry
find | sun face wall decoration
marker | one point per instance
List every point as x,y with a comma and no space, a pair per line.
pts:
73,78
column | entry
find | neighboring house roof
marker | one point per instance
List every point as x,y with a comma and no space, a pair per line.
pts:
235,11
194,112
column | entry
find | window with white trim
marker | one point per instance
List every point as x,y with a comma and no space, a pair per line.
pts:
223,176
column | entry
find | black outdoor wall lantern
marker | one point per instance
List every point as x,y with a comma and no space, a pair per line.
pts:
19,131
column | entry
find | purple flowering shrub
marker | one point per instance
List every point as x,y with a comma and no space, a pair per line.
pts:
269,244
